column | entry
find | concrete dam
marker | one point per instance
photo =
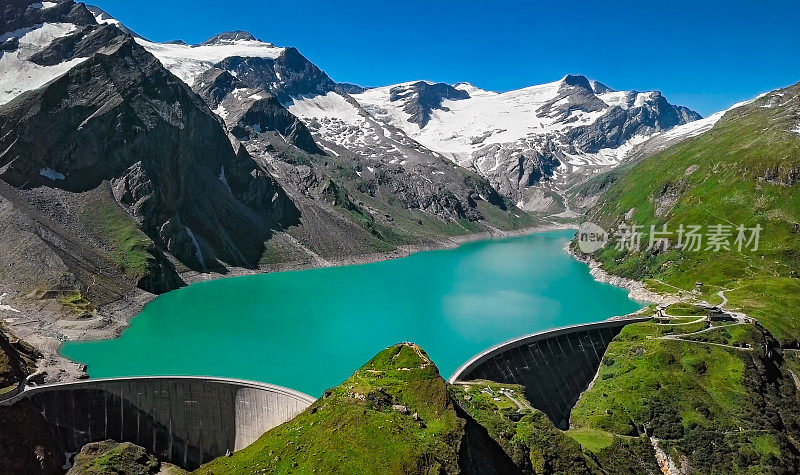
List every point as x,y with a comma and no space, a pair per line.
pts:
184,420
554,366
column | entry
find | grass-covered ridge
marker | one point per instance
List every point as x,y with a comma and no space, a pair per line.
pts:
393,415
536,446
131,250
744,171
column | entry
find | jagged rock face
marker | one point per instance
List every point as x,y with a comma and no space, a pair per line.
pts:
420,98
348,88
391,164
102,17
288,75
119,116
215,84
248,112
249,94
18,14
229,36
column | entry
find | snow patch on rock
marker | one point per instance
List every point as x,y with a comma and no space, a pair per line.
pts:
17,74
224,180
188,62
197,251
42,5
7,308
51,174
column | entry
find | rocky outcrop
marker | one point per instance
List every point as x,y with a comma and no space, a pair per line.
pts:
114,457
394,415
420,98
290,74
119,116
17,360
229,36
26,445
17,14
248,112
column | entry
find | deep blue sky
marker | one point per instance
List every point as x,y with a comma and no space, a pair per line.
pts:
706,55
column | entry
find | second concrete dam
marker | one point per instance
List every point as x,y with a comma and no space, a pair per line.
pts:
554,366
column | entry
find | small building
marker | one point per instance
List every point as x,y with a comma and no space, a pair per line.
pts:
718,315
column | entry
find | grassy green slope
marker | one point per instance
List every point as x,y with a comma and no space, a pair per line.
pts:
536,446
743,171
720,398
359,426
524,433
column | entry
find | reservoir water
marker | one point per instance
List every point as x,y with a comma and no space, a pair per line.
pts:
309,330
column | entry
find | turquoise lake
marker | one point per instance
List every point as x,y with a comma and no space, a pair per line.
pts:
309,330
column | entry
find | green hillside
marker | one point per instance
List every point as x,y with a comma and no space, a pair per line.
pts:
744,171
397,415
719,397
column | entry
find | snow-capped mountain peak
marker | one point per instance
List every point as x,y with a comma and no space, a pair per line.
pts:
190,61
553,132
473,91
550,134
104,18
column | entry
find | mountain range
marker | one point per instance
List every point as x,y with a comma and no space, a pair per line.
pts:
130,167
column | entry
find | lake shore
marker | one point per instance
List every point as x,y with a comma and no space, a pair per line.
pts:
401,251
43,324
636,290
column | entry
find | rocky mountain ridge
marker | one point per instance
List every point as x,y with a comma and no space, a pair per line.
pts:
559,133
550,136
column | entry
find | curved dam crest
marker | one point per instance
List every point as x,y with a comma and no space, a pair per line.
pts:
184,420
554,366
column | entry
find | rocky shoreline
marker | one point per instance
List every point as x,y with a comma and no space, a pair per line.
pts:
44,325
636,290
400,252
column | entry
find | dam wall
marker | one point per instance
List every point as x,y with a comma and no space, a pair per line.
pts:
184,420
554,366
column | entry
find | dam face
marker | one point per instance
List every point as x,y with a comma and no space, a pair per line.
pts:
184,420
554,366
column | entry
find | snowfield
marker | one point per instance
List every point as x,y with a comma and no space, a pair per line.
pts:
190,61
464,126
17,74
470,124
328,106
